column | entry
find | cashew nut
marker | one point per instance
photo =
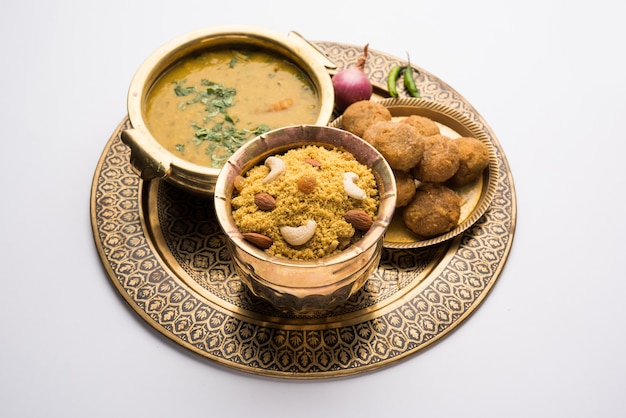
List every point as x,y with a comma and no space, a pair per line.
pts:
277,168
349,184
300,234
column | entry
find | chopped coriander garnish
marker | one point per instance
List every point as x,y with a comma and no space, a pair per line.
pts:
218,126
181,91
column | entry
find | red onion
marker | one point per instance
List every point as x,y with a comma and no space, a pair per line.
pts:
352,85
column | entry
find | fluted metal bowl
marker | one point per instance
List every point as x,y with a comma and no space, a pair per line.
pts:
149,158
312,286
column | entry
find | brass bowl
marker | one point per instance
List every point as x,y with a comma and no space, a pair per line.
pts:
476,197
149,158
312,286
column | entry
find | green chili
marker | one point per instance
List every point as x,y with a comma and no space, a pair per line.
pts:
392,79
409,81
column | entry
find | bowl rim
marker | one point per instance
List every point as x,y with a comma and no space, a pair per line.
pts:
265,146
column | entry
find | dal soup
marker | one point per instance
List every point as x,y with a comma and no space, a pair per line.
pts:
206,106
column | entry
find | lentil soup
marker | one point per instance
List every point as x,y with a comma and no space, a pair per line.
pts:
207,105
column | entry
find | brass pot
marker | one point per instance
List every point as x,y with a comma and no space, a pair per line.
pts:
311,286
149,159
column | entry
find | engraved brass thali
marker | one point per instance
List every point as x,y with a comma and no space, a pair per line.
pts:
166,255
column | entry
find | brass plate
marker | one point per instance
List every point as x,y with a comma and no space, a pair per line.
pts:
475,197
164,252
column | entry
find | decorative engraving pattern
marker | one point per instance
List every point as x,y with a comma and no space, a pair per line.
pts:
196,244
167,258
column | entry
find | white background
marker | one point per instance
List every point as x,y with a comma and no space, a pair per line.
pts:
549,78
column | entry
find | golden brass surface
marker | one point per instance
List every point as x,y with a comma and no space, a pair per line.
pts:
166,255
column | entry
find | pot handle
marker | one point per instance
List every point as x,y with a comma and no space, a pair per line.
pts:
147,165
325,60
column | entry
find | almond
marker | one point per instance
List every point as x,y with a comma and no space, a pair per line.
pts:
264,201
313,162
258,240
358,219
